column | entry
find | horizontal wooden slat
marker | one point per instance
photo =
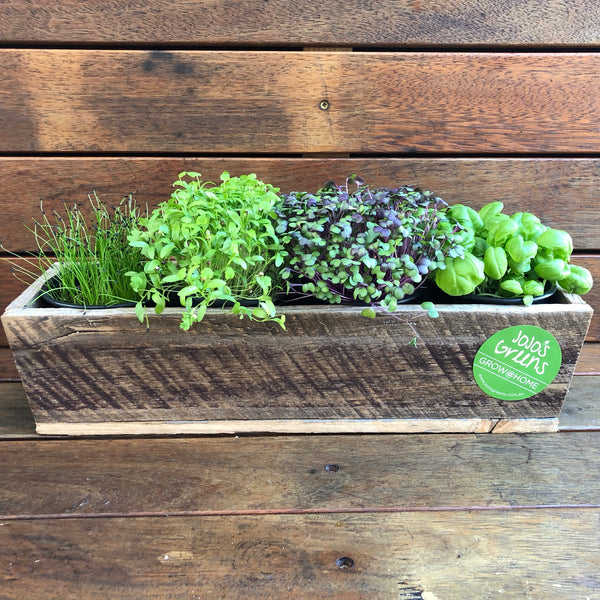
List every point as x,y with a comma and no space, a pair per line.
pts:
395,22
269,102
111,477
8,370
589,360
562,191
553,553
16,420
295,426
593,296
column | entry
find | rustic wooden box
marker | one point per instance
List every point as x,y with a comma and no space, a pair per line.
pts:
333,370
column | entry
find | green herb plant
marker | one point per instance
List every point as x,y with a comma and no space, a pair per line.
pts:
514,256
353,243
210,244
91,250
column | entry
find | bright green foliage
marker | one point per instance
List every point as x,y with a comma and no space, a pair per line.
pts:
461,275
554,243
554,270
369,245
89,245
430,308
495,262
578,281
211,243
519,255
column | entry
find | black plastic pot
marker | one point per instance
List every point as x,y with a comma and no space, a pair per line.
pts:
442,297
55,282
297,298
173,302
228,303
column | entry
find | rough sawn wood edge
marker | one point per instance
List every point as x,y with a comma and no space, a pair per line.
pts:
548,425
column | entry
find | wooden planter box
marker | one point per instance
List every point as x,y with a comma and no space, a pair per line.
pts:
102,372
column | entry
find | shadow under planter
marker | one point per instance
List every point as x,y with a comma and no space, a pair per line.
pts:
102,372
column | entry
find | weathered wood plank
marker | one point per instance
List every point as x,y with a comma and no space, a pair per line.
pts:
481,554
222,101
233,475
16,420
589,360
592,262
581,410
562,191
299,426
525,426
588,363
278,22
8,370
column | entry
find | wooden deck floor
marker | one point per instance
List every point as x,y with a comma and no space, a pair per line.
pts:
402,517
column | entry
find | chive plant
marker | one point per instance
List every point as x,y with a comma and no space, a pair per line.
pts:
90,249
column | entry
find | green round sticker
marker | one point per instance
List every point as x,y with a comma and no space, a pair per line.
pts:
517,362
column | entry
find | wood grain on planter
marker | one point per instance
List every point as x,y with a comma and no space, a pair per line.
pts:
279,22
587,364
561,191
222,101
580,410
